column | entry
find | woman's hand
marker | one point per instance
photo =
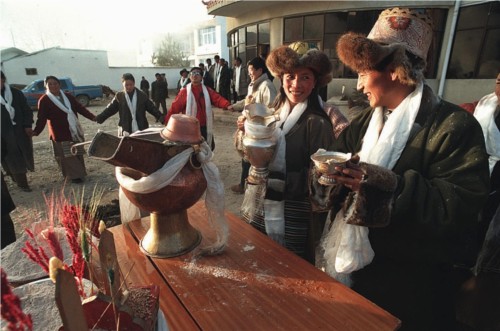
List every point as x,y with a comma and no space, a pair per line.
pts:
349,175
241,123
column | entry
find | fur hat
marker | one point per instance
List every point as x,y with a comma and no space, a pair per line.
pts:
397,31
285,59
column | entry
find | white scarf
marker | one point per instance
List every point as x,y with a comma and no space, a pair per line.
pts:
74,125
237,83
382,145
183,81
274,211
132,105
167,175
7,102
485,112
192,109
217,77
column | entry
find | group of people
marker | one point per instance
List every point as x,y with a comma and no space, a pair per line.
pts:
399,221
398,224
159,90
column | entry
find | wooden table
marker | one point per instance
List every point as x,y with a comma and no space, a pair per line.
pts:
254,285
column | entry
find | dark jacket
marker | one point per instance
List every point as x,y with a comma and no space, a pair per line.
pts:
119,105
442,184
312,131
17,156
159,90
144,84
225,82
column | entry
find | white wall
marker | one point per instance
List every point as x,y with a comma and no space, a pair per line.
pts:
84,67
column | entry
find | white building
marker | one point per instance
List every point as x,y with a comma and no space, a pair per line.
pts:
91,67
462,64
84,67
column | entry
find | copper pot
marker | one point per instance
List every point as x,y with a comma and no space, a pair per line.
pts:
170,233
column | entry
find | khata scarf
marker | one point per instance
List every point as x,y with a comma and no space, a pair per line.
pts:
274,211
383,144
184,81
485,112
192,109
167,175
7,102
132,105
74,125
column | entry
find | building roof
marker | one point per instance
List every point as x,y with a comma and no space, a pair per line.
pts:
10,53
26,54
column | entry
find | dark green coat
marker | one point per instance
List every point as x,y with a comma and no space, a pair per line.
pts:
442,185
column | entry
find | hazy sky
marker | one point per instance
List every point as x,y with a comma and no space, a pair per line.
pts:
32,25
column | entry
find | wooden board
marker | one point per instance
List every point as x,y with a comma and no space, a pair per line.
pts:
258,284
141,271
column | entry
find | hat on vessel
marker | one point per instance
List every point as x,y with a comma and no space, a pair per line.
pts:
285,59
400,36
182,128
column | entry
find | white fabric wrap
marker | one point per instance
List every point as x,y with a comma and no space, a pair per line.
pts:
346,246
485,112
192,109
253,201
7,102
132,105
167,175
74,124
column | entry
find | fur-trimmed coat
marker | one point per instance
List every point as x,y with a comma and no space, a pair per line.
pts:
303,227
426,226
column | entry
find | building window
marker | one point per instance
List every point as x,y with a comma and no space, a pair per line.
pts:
294,29
31,71
475,52
206,36
313,27
324,31
250,41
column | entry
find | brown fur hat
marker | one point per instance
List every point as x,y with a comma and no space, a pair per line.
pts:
285,59
361,54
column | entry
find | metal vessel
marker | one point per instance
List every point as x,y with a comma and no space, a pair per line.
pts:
170,233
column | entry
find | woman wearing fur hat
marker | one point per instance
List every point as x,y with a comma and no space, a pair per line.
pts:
422,178
304,128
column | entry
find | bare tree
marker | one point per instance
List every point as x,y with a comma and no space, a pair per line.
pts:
169,54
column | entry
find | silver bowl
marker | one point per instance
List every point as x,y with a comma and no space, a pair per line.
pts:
326,161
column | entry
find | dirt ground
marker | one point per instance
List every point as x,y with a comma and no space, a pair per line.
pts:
47,177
